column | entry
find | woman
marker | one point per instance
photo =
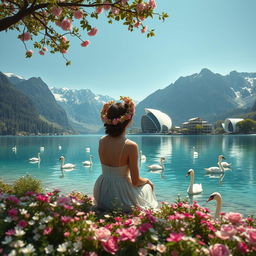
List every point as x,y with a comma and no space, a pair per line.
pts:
120,185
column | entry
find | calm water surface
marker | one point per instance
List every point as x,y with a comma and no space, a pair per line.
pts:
238,186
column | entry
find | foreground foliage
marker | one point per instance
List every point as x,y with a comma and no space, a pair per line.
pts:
54,224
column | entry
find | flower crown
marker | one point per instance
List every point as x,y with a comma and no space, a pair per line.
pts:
127,116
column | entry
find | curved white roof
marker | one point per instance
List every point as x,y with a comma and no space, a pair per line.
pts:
162,118
233,121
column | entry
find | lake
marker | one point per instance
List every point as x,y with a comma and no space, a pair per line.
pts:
237,187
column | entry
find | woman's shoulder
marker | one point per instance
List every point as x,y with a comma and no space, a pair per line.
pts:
131,143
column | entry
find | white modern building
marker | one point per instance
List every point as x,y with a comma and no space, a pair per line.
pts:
229,124
155,121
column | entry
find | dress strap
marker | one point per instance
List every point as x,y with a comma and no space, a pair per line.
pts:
121,153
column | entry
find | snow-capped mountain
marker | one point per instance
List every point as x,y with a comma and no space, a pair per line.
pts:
205,94
82,107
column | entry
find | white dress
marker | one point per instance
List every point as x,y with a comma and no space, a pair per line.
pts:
113,190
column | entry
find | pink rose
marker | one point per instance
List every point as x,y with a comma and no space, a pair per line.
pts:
85,43
152,4
29,53
227,231
234,217
66,24
142,252
111,245
144,29
219,250
45,49
242,247
66,234
106,6
56,11
99,10
137,24
93,32
102,234
41,53
63,51
47,230
25,36
78,14
115,11
251,236
22,223
174,237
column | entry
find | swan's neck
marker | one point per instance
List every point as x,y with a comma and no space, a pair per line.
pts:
220,165
62,162
192,177
218,207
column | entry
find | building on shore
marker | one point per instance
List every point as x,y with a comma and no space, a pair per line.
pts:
229,124
155,121
196,125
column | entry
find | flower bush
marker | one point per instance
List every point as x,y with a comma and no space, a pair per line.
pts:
54,224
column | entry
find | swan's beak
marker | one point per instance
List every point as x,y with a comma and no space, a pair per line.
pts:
210,199
188,174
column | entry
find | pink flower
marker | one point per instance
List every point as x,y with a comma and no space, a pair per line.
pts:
65,219
47,230
45,49
66,234
78,14
234,217
227,231
115,10
13,199
10,232
242,247
92,32
174,237
152,4
141,7
144,29
63,51
111,245
142,252
22,223
137,24
130,233
251,236
12,212
63,39
128,222
99,10
219,250
56,11
25,36
145,227
106,6
66,24
174,253
85,43
102,234
40,197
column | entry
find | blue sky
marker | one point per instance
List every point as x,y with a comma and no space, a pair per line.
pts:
215,34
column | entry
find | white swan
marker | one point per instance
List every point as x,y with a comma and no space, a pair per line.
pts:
195,153
218,169
193,189
226,164
35,159
157,166
88,150
143,158
65,166
41,149
88,163
59,147
14,149
216,196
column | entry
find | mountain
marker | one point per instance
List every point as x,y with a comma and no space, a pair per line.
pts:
38,92
18,114
205,94
82,107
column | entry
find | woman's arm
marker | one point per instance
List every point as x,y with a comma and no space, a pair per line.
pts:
133,166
